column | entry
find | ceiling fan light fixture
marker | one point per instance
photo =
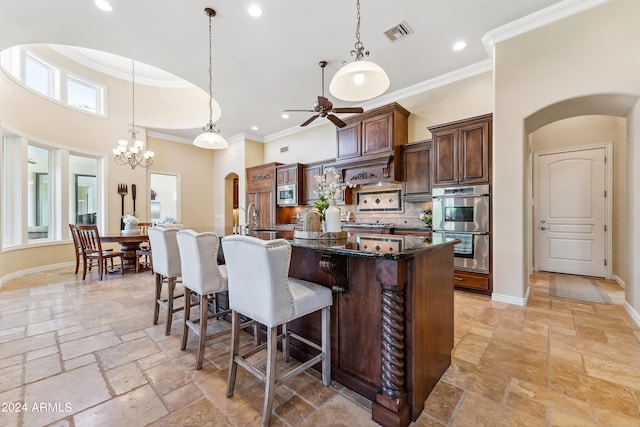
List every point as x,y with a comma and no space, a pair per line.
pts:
359,81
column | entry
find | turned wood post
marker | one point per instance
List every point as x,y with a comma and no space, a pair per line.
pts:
391,407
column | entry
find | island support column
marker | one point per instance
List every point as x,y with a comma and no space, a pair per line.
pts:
391,407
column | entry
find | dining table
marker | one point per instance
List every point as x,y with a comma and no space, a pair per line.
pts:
129,244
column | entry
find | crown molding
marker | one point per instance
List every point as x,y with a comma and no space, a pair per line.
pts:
168,137
399,95
536,20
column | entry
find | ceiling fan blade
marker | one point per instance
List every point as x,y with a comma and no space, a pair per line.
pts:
297,111
336,121
348,110
310,120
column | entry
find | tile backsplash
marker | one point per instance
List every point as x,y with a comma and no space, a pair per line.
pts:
389,207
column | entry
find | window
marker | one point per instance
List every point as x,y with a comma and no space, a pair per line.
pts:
40,76
38,194
51,81
84,95
37,180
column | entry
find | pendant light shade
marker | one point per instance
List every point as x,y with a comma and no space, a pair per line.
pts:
211,140
210,137
359,81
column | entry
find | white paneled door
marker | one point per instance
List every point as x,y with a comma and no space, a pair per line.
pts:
571,212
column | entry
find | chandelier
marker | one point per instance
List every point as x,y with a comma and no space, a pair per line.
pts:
361,79
210,137
131,152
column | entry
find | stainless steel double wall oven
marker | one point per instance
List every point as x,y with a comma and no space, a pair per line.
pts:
463,213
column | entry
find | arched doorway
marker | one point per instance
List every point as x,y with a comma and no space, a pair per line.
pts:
583,121
231,201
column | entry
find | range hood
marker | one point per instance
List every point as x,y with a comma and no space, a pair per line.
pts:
371,170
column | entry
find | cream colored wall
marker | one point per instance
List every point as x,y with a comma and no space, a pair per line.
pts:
594,52
633,209
43,120
588,130
194,165
307,146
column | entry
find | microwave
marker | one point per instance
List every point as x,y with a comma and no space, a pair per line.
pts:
287,195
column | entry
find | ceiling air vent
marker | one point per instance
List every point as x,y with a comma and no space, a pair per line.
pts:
398,31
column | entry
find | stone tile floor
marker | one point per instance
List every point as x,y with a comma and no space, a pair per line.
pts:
76,353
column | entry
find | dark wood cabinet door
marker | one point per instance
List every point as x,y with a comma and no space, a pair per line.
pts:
416,164
349,141
265,206
445,154
377,134
473,141
310,184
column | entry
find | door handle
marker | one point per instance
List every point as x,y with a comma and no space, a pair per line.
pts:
543,228
542,221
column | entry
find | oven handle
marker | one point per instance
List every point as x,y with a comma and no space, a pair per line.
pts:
459,196
475,233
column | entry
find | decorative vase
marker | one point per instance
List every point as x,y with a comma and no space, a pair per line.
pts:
130,229
332,219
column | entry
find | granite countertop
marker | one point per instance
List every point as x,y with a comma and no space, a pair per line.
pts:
375,245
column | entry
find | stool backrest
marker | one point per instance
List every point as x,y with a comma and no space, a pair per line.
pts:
166,255
179,226
258,278
198,254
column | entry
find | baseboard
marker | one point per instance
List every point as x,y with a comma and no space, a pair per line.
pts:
35,270
508,299
620,282
634,314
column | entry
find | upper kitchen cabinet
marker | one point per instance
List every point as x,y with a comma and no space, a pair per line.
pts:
368,148
289,174
416,167
310,185
461,151
378,131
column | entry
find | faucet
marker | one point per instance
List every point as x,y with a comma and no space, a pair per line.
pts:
252,217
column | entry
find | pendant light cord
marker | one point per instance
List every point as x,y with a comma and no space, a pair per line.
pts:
133,96
359,52
210,78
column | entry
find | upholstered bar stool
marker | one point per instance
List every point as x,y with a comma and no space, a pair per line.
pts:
265,293
201,275
166,266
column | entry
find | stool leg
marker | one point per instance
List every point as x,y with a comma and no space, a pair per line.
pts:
326,346
203,330
285,342
270,380
172,288
187,318
156,309
233,366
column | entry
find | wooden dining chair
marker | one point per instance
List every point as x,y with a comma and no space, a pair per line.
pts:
145,250
78,249
92,250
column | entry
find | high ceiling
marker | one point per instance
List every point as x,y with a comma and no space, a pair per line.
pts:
264,65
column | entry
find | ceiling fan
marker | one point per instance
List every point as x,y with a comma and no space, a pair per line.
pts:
323,107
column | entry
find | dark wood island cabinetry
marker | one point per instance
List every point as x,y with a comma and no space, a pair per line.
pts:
392,318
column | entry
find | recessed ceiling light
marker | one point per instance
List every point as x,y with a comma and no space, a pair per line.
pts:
285,116
254,127
255,10
103,5
459,45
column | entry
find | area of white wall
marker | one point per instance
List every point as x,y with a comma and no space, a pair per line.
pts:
594,52
307,146
633,212
589,130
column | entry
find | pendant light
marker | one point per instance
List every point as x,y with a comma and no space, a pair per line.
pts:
361,79
210,137
130,152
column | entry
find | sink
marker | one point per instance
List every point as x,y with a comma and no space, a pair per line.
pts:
262,230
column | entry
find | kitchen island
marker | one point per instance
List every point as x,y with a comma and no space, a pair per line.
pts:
392,317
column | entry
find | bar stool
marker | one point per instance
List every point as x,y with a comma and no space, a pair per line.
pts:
166,266
265,293
201,275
